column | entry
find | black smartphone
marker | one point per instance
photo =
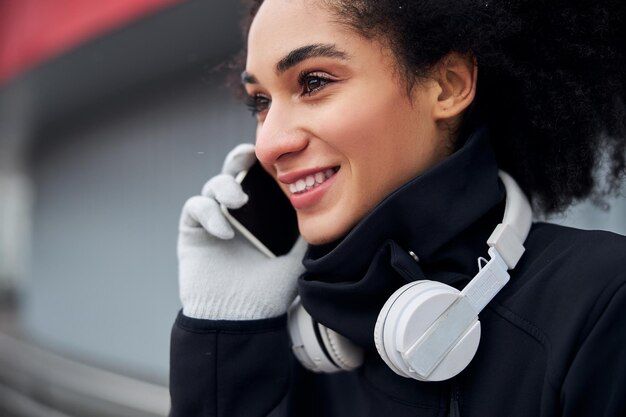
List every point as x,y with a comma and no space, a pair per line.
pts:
267,220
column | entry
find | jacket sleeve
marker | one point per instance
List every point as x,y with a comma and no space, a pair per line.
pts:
596,382
229,368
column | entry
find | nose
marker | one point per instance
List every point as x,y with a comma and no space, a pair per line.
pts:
280,135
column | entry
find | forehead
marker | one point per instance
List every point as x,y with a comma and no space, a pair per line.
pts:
281,26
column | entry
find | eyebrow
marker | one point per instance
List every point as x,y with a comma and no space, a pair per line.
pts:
303,53
298,55
247,78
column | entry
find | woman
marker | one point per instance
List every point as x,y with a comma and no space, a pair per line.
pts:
385,123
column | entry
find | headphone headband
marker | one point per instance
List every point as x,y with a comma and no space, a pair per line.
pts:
508,237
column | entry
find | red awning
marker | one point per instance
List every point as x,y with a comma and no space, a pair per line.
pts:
33,31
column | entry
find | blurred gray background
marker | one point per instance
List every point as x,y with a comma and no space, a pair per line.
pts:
99,148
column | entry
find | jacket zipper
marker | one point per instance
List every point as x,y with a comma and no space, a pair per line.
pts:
454,402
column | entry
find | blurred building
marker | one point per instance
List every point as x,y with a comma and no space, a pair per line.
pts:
111,115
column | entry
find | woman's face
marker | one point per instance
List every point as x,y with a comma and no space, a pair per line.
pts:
336,126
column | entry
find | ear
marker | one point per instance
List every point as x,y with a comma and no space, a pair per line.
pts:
456,75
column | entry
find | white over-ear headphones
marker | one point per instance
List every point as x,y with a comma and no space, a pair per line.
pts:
426,330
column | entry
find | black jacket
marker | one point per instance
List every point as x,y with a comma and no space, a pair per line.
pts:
553,340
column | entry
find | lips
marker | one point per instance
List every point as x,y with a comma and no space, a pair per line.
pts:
311,181
308,187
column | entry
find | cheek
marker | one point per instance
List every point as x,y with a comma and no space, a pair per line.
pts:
385,143
352,125
380,136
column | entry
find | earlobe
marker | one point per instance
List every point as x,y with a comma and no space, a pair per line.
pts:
456,76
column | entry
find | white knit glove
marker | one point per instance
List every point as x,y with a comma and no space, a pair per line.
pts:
222,276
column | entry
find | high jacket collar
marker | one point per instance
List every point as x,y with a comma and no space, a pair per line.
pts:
424,214
443,216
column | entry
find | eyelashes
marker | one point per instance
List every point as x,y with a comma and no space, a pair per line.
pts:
309,83
257,103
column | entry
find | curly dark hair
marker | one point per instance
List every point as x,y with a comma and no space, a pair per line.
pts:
551,83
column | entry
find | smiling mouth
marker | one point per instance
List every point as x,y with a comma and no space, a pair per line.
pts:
312,181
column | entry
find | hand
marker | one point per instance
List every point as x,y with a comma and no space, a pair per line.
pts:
222,276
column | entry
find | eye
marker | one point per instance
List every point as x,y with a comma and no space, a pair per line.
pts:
257,103
312,82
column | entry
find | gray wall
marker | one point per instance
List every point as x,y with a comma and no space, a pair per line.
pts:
99,148
590,216
108,197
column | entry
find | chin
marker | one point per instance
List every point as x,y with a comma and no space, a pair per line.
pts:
315,234
316,238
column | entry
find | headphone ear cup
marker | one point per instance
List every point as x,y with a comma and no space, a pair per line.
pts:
406,317
384,320
318,348
342,351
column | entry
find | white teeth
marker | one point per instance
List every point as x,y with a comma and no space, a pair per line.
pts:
297,186
311,181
